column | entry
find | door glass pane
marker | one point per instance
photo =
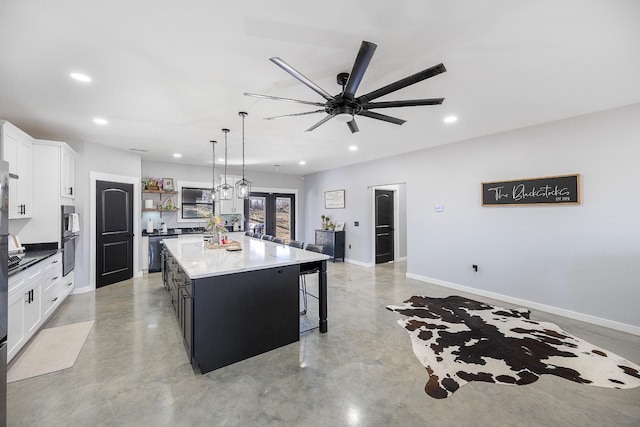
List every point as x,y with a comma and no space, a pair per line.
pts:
283,218
257,207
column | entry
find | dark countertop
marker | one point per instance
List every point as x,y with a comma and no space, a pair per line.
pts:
31,258
173,232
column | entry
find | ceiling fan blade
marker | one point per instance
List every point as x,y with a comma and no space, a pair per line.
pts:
321,122
359,67
295,114
402,83
382,117
304,80
277,98
353,127
405,103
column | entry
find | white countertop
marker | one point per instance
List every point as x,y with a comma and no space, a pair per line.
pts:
199,262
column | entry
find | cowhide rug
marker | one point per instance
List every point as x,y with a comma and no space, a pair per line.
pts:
460,340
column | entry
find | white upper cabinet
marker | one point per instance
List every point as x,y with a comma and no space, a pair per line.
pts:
17,149
67,172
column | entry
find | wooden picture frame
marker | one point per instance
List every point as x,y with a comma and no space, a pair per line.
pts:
167,184
334,199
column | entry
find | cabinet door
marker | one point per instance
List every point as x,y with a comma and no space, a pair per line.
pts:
67,174
17,150
16,329
33,310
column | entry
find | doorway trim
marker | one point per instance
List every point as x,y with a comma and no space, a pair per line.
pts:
137,195
283,191
396,220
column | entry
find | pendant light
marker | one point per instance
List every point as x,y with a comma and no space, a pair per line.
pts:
213,173
225,190
243,187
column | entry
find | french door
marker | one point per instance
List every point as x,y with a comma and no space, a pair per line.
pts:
271,213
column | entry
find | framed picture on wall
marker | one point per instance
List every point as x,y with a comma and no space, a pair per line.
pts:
167,184
334,199
339,226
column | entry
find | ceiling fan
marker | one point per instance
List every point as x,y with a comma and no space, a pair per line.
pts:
345,105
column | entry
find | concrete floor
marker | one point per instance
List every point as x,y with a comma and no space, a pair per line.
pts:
133,370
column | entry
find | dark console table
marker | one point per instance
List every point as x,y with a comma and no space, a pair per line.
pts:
332,242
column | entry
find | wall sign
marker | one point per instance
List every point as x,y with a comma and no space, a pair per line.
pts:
334,199
550,190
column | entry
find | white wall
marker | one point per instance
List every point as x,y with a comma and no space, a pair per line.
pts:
582,261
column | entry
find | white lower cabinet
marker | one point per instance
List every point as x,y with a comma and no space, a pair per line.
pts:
34,294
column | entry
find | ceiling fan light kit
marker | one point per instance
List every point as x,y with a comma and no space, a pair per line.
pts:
345,105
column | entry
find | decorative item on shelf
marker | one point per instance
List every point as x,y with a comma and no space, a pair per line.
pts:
225,190
167,184
326,223
169,205
148,204
151,184
243,187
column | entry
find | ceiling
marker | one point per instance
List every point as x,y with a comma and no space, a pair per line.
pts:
169,75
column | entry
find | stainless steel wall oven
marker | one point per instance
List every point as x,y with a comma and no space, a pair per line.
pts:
70,231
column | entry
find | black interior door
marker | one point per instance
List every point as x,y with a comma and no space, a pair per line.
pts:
114,232
384,225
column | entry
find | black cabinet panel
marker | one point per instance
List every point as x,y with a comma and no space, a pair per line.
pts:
237,316
332,242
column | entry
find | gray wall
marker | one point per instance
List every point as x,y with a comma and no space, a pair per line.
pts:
260,180
102,159
582,259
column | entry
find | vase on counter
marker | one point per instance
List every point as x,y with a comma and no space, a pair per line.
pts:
215,236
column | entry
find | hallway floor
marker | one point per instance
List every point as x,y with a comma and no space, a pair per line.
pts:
133,370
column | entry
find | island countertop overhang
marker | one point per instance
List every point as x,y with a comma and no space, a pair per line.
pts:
199,261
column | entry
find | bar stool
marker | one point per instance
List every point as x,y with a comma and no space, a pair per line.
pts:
267,237
296,244
278,240
313,248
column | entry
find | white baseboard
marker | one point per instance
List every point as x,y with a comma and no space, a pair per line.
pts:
81,290
360,263
612,324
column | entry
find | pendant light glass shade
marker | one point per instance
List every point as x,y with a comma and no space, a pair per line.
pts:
225,190
243,187
214,197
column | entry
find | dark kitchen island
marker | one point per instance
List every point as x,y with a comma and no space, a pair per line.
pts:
235,305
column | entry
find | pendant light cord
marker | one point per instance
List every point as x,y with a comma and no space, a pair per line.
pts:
213,170
243,114
226,131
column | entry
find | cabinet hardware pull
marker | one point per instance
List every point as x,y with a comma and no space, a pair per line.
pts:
54,279
55,299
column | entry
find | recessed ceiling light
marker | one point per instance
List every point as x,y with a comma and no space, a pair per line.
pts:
80,77
178,155
100,121
450,119
353,148
302,162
